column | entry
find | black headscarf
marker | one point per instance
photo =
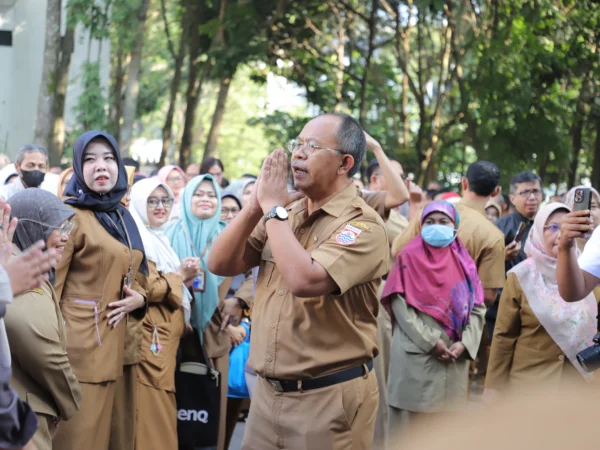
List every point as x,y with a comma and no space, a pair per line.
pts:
105,206
39,213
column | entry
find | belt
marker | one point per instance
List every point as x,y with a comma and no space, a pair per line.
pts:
321,382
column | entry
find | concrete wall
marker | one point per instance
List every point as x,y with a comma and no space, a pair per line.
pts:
21,71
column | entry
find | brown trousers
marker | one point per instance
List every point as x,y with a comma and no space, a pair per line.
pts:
89,429
381,365
43,436
122,427
341,417
156,423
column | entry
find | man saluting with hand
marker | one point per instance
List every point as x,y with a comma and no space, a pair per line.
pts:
321,259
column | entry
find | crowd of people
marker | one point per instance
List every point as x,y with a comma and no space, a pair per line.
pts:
372,303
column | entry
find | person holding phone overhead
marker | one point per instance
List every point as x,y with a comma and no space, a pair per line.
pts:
99,281
526,195
192,235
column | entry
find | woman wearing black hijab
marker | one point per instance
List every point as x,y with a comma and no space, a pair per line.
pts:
98,280
42,373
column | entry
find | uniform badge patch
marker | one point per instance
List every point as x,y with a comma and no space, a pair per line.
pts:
348,235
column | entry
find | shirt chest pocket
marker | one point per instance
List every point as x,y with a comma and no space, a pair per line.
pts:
267,267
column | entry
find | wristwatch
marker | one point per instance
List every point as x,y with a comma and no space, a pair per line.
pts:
279,213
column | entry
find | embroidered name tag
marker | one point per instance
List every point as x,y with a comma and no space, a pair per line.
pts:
348,235
362,225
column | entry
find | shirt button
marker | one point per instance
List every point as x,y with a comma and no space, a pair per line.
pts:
273,324
302,231
281,292
315,239
269,358
561,358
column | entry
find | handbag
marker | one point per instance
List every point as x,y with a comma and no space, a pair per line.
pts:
237,362
198,397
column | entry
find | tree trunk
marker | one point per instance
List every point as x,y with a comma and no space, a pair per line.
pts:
217,119
133,81
57,143
577,144
47,95
192,97
596,166
406,48
363,85
167,130
115,112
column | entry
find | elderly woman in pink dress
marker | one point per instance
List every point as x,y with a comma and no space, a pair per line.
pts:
174,177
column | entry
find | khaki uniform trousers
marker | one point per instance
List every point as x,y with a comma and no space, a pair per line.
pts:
89,429
43,436
341,417
222,365
381,365
122,427
156,424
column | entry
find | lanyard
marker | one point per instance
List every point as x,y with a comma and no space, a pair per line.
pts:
128,240
189,238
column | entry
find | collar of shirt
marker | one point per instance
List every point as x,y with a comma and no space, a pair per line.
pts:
473,205
334,206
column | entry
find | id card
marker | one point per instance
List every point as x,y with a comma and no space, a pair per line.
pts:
199,282
125,282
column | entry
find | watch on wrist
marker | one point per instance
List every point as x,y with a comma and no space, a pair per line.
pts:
279,213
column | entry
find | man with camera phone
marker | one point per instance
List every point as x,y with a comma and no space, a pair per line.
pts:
577,278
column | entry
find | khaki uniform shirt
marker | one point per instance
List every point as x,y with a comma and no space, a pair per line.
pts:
483,241
165,315
42,374
88,278
522,350
298,338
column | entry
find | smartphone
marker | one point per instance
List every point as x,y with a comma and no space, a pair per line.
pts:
583,199
519,234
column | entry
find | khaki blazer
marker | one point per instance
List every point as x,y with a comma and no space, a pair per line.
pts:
417,380
522,351
165,314
41,373
88,278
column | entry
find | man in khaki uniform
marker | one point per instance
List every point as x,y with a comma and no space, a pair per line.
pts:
315,313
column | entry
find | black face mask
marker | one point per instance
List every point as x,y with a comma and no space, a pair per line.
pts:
32,178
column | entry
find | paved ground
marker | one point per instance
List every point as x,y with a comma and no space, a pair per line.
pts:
238,435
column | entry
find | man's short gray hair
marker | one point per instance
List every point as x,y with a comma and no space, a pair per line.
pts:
30,148
351,139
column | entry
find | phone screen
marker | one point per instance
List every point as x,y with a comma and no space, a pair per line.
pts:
519,234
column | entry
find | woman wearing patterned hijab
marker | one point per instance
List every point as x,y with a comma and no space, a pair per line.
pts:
538,334
35,327
99,281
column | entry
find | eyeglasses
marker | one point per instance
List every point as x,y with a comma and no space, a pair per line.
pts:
175,180
153,202
225,212
295,145
553,228
64,230
527,193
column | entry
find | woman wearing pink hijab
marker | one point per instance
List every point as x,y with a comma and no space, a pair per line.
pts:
435,300
174,177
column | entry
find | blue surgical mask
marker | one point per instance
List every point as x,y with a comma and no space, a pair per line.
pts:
438,235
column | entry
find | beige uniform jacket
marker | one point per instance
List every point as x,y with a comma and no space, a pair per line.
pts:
298,338
522,351
41,374
165,314
88,278
418,381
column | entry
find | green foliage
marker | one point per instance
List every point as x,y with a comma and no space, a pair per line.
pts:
90,109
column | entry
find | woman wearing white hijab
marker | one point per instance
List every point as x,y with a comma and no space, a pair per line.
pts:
167,317
538,334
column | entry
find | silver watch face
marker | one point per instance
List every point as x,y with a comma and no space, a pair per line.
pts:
281,213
